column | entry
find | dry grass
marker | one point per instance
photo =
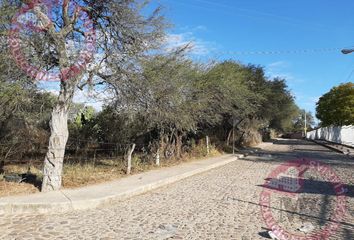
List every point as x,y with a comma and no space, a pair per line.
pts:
10,189
74,175
78,175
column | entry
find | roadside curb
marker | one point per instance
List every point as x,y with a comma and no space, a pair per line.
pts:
101,195
327,146
343,149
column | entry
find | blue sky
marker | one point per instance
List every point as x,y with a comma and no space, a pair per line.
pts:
219,26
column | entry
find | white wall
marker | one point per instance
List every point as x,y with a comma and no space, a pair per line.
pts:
343,135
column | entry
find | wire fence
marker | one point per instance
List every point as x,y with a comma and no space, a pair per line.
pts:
76,151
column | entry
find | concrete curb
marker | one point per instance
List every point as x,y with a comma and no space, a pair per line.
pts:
332,146
101,195
327,146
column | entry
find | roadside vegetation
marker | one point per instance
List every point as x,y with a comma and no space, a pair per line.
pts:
171,107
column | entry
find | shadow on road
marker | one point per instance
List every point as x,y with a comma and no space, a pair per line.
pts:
310,186
300,149
317,188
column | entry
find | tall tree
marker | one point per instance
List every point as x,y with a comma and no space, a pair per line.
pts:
225,91
164,98
61,40
280,107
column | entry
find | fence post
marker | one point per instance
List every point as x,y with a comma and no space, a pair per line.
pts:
94,158
157,160
207,145
130,152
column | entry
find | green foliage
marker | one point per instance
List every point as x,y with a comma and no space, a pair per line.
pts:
82,124
24,119
337,106
167,98
280,107
173,96
243,95
120,127
168,94
224,91
84,116
299,121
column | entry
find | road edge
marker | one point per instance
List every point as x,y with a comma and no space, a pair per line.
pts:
66,204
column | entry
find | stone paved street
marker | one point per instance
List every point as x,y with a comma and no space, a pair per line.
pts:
220,204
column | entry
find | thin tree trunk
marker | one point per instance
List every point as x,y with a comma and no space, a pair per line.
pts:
207,145
229,137
178,145
159,147
130,152
233,140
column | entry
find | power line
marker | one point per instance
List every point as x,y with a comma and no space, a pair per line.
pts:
278,52
253,14
350,76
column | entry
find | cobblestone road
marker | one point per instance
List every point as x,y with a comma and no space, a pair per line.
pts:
220,204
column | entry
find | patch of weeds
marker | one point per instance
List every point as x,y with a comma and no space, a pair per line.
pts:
78,175
140,165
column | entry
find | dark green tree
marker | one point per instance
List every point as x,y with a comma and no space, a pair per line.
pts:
337,106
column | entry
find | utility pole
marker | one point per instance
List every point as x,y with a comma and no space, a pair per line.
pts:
305,129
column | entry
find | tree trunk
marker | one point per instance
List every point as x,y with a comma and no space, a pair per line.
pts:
53,162
207,145
229,138
130,152
159,148
178,146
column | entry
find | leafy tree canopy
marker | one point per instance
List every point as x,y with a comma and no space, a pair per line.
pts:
337,106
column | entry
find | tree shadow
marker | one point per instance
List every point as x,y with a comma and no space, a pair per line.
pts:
2,164
295,213
28,178
307,186
32,179
265,234
348,234
292,142
314,151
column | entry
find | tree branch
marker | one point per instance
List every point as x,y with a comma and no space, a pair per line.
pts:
65,9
